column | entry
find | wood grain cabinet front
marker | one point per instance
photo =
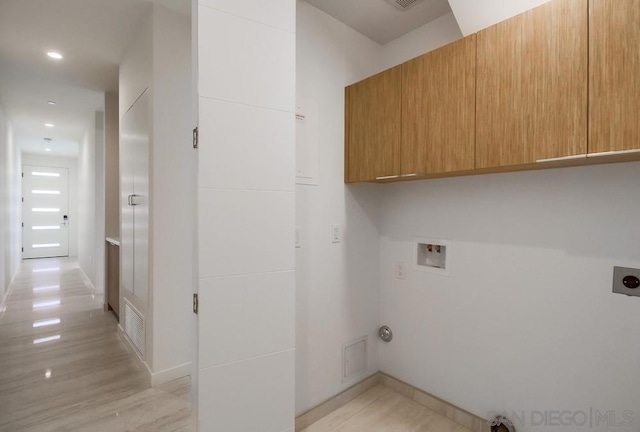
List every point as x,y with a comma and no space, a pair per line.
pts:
532,86
614,81
438,110
559,83
372,133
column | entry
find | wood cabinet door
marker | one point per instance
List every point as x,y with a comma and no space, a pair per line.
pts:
450,115
439,110
532,86
413,147
614,92
373,115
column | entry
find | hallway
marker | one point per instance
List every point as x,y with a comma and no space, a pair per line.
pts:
64,365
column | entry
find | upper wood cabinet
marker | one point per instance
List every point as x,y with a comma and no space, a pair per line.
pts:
413,157
614,45
372,127
438,110
532,86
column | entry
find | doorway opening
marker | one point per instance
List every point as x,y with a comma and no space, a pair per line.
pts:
45,212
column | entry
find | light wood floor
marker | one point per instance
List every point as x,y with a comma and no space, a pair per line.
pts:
383,410
65,367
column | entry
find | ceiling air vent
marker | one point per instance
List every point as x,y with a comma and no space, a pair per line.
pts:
403,4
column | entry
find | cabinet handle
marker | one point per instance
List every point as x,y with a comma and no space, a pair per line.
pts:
132,199
387,177
580,156
413,175
611,153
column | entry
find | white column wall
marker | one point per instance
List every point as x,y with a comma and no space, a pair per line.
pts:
5,204
246,215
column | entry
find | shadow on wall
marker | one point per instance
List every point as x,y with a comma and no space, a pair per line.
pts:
361,267
584,211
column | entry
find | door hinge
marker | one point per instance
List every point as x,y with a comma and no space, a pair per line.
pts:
195,304
22,224
195,138
22,199
22,174
22,249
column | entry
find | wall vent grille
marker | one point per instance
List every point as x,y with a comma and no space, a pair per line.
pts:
134,327
403,4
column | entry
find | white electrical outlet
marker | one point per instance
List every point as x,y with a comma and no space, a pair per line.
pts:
401,270
336,234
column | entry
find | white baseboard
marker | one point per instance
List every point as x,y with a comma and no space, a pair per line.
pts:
171,374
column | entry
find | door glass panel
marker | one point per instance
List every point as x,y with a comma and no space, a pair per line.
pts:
45,174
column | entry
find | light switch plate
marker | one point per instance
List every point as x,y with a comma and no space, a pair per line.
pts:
626,281
401,270
336,234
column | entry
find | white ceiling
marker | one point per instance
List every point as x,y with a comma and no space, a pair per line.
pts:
92,35
380,21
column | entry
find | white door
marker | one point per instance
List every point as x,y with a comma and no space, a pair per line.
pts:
134,190
45,210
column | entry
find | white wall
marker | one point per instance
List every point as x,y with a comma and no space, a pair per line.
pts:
435,34
336,284
112,165
136,76
4,286
527,320
99,209
71,164
86,220
474,15
246,215
173,194
136,69
159,59
529,295
13,206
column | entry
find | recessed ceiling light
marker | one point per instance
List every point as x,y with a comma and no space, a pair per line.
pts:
47,149
51,102
54,55
49,125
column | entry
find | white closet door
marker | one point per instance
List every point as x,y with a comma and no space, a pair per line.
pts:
45,194
134,168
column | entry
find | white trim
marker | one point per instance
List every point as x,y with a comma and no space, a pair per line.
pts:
562,158
171,374
613,153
